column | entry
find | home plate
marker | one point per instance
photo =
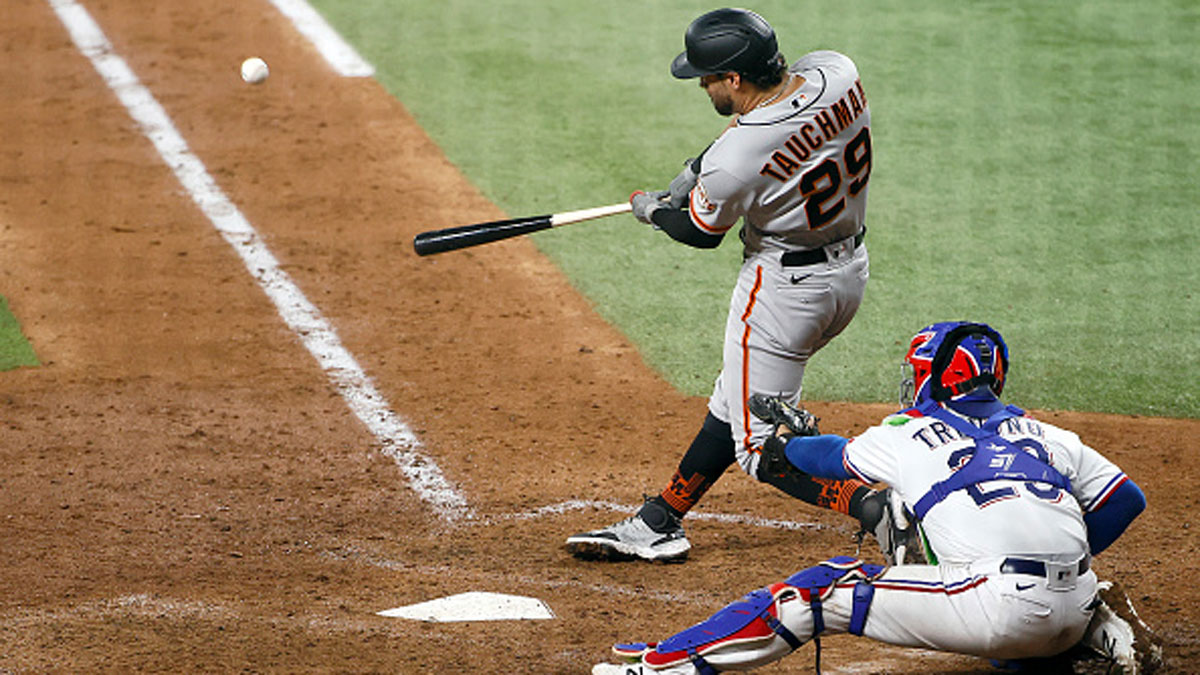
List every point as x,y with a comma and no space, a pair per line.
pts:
474,606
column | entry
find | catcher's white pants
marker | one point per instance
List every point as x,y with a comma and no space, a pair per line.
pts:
778,318
968,609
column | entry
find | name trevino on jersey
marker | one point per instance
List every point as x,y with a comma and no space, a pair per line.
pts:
938,434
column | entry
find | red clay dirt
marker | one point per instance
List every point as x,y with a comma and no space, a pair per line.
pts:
184,490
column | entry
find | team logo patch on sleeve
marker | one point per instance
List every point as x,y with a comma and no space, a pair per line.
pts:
701,210
702,202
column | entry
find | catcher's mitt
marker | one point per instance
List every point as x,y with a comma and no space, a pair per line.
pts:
787,422
777,412
885,516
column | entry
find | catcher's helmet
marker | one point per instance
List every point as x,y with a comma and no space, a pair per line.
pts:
951,359
728,40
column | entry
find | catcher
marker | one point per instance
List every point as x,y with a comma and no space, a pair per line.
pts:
1009,510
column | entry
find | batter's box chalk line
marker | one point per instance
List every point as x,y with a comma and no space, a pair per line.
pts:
302,317
727,518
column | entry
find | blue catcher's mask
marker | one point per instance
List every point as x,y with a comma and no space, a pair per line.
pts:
951,360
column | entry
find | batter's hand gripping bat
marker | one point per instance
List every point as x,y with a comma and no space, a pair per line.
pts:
453,238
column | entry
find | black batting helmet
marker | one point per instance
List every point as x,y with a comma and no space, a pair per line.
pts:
728,40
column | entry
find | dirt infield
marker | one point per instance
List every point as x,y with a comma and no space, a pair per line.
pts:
183,488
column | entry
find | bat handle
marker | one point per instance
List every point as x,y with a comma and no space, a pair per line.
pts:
568,217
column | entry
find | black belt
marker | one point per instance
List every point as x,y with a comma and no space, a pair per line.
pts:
816,255
1035,568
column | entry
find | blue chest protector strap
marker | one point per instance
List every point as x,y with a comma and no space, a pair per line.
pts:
994,458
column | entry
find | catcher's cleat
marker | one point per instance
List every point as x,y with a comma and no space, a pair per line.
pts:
1117,633
641,669
651,534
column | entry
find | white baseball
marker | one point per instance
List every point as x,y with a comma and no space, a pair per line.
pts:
254,70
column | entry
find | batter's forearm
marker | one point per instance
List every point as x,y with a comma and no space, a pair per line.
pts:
678,225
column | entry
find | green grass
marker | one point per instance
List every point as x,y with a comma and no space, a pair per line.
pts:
1035,168
14,349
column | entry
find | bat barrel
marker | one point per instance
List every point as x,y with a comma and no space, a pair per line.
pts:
453,238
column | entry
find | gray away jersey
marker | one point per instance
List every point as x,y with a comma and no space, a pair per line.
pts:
796,169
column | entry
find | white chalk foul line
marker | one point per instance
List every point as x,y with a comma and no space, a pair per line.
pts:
337,52
731,518
302,317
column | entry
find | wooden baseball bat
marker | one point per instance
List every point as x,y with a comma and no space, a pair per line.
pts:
463,236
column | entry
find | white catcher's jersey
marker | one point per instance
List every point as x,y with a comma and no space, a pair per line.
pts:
993,519
796,169
1009,583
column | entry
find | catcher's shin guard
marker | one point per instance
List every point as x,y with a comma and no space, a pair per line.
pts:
745,633
765,625
816,583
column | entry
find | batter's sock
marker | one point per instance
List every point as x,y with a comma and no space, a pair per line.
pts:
843,496
854,507
710,454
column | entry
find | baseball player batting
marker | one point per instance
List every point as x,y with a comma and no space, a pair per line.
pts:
794,166
1011,510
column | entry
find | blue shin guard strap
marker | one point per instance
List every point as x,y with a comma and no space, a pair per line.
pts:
818,616
816,580
864,592
702,667
782,631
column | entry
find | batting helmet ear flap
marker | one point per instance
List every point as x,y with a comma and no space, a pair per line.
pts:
945,354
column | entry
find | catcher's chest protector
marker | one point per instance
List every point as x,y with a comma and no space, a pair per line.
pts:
992,458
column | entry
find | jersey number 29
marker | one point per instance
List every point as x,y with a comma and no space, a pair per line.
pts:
822,183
